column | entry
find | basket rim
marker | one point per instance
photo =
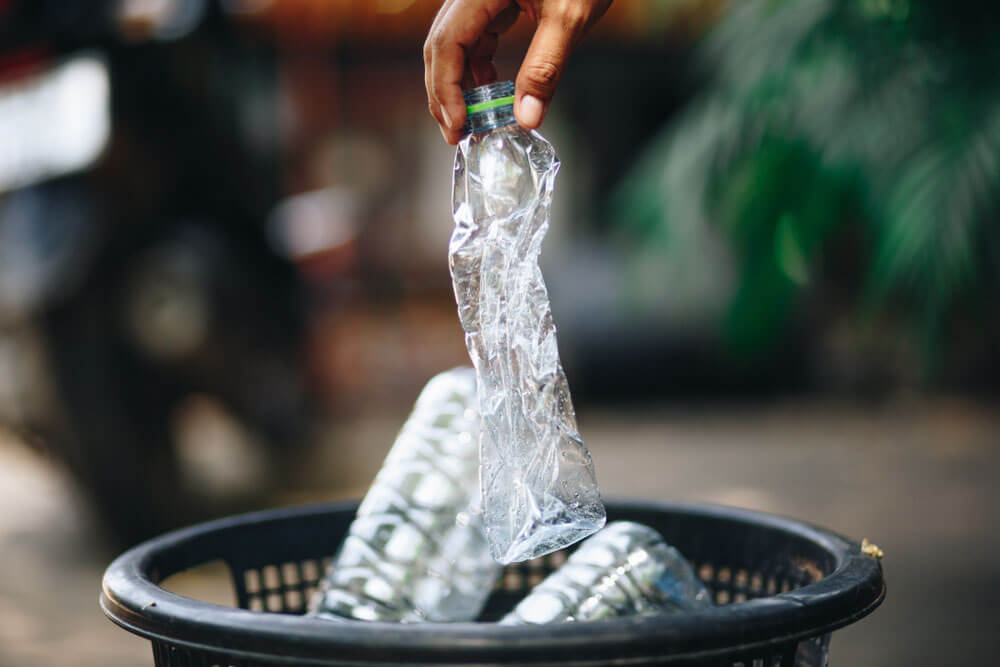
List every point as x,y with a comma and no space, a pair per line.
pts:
131,599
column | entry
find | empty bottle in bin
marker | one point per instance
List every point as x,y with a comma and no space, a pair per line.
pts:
626,569
416,550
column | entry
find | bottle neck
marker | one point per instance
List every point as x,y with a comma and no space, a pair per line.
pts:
489,107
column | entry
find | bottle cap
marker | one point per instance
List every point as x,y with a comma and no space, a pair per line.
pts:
489,107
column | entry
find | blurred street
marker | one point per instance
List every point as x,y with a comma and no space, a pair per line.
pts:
915,476
772,257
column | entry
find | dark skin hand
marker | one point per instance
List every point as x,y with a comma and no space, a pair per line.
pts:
462,40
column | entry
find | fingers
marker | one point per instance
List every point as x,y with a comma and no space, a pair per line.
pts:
558,32
457,38
540,72
433,106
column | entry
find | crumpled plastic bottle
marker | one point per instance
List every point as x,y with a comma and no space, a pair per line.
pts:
539,489
624,570
416,550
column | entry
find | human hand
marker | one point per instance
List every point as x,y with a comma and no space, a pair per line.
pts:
459,52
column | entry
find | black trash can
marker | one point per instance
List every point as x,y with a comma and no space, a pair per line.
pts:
782,587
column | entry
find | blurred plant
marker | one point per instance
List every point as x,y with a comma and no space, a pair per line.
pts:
820,114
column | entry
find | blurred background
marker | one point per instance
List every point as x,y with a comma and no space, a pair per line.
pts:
223,279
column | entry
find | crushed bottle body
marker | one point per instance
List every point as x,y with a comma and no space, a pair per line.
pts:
538,484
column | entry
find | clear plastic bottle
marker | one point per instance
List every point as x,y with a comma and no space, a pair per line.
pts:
539,489
626,569
416,550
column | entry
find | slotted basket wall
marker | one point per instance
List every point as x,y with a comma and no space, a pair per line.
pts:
781,586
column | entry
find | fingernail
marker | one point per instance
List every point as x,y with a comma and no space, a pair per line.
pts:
531,111
447,119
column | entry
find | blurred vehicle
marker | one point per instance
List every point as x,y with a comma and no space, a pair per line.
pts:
135,264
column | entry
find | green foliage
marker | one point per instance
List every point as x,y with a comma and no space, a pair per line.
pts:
883,113
780,204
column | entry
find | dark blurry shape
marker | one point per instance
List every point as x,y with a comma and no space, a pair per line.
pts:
48,237
390,23
135,271
167,303
246,7
53,121
55,24
173,312
822,121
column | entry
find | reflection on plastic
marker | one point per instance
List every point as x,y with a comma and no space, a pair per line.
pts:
624,570
416,550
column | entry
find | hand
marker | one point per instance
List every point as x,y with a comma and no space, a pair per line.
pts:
459,52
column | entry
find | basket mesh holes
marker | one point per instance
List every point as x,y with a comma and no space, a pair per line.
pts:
512,581
729,584
722,585
521,577
310,570
759,662
707,574
290,574
251,579
294,602
284,588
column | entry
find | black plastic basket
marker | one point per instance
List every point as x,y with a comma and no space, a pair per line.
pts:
782,587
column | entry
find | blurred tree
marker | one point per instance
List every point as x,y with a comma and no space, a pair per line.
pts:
883,114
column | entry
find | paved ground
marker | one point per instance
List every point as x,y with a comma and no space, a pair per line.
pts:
916,477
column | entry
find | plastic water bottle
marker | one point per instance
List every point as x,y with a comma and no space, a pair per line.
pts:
539,489
416,550
626,569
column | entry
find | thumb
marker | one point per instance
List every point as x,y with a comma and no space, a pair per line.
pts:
540,72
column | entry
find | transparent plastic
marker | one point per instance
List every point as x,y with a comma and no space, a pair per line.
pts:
416,550
624,570
539,490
